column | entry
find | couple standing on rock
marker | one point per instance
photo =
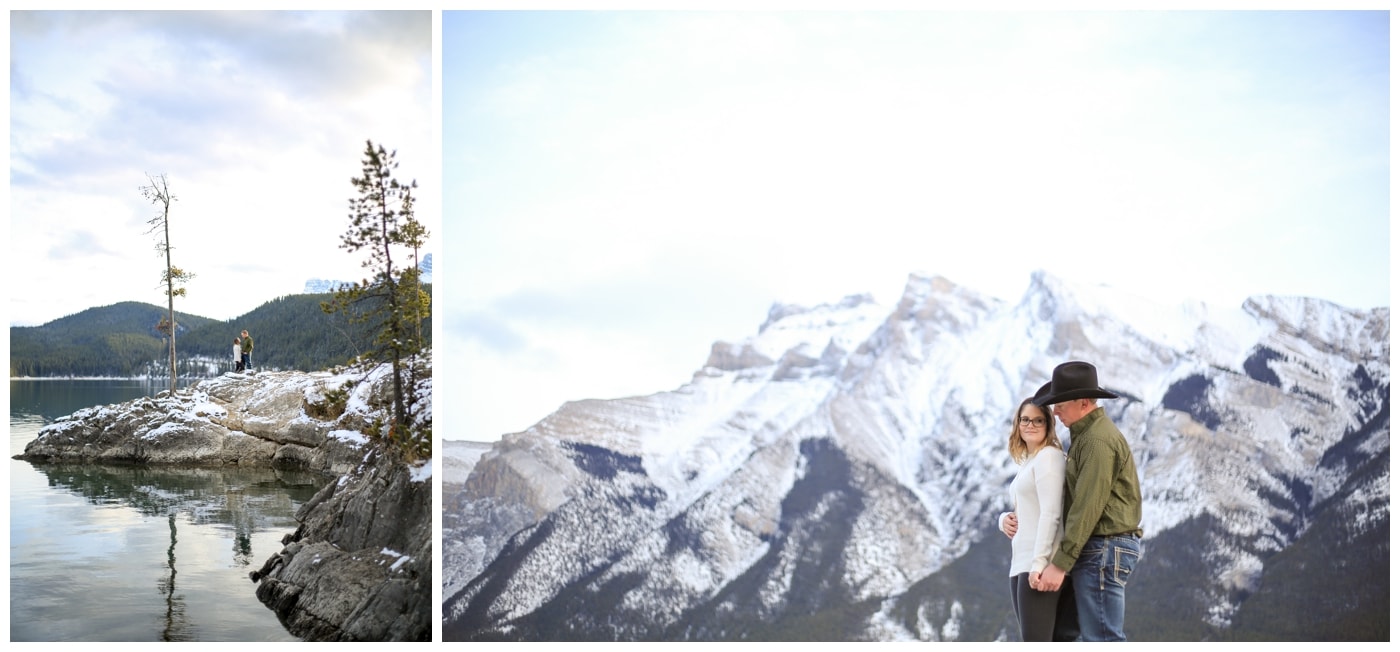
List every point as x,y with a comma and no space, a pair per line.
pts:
243,352
1076,524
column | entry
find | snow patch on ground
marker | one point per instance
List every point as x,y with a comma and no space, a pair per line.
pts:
423,472
399,558
350,436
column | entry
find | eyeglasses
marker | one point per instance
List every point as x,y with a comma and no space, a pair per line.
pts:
1037,422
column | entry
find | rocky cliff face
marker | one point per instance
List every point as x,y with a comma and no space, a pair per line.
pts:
365,532
370,533
359,565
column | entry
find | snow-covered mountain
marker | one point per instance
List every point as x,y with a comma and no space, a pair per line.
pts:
836,475
322,286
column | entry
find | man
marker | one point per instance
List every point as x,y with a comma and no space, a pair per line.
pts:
1102,505
247,351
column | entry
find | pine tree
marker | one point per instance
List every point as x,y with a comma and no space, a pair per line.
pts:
173,278
415,235
381,221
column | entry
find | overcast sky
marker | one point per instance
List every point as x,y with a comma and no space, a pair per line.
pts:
259,121
627,188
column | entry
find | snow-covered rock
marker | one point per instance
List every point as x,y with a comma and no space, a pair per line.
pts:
241,419
360,566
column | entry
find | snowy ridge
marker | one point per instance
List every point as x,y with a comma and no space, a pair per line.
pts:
323,286
850,452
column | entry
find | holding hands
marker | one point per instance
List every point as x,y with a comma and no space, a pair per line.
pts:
1048,579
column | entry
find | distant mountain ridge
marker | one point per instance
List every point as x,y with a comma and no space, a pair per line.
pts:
115,340
836,476
322,286
290,333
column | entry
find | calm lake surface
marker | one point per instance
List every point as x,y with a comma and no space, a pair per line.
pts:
128,553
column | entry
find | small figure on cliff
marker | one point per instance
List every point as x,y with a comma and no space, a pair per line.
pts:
247,351
237,355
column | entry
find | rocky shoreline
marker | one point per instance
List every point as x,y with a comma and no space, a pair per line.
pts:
359,565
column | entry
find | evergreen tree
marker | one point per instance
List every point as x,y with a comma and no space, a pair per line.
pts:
173,278
415,235
381,222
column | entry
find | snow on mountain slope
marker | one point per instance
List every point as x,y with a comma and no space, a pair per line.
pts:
848,452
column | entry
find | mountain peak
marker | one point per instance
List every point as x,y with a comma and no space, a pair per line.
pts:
800,335
323,286
783,311
1323,323
849,453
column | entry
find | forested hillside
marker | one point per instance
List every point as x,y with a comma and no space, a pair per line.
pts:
120,340
115,340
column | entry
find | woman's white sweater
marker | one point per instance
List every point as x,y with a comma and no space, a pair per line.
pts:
1037,495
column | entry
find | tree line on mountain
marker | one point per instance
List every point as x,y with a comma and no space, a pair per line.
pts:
291,332
117,340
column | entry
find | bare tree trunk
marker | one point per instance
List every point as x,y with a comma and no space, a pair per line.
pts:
170,297
159,192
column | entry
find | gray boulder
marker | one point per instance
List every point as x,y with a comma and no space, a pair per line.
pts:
360,566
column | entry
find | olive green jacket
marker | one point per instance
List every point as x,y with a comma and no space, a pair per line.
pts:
248,344
1101,487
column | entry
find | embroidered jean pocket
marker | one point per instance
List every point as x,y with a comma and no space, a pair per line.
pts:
1125,559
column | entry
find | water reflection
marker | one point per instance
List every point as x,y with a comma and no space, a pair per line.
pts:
240,498
176,624
53,398
86,538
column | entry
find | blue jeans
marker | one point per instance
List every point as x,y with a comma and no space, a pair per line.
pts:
1100,579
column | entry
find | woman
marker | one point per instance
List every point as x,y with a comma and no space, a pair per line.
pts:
1034,524
237,355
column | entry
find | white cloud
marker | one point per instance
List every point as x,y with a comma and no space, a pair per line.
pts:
258,119
625,159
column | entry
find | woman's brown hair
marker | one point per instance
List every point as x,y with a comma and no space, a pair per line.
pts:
1016,445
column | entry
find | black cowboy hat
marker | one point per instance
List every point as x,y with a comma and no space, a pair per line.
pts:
1041,393
1070,381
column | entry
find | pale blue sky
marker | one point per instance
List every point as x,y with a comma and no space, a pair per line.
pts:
624,188
259,120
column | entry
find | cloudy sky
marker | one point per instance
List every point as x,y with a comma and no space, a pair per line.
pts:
258,120
627,188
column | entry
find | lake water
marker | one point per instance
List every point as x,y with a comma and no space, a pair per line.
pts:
130,553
